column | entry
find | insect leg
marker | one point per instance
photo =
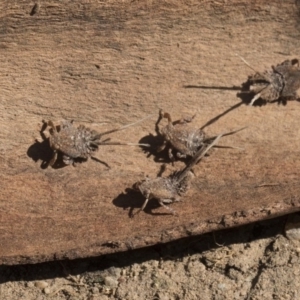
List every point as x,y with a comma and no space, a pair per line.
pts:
143,207
161,202
50,123
257,96
171,156
180,155
53,159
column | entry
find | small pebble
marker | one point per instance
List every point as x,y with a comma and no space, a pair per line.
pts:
95,290
111,282
292,227
41,284
123,272
222,286
163,296
113,271
30,284
47,291
106,291
98,297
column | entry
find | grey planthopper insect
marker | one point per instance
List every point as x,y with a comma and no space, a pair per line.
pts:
170,189
80,142
279,82
185,140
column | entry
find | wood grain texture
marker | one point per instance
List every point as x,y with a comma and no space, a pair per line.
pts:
109,63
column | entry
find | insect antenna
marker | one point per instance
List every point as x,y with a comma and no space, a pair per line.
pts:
123,144
165,115
247,64
257,96
224,134
122,127
197,158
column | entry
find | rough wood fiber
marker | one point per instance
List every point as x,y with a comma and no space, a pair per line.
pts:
109,63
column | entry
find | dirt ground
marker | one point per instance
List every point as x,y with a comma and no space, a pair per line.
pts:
256,261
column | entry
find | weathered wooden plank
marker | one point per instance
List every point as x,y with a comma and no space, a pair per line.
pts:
108,64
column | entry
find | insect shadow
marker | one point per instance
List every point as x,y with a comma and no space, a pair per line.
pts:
155,141
244,93
219,116
133,199
41,151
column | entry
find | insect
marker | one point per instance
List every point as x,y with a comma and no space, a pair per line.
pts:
170,189
186,140
79,142
280,82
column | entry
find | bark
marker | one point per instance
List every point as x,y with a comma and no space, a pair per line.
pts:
106,64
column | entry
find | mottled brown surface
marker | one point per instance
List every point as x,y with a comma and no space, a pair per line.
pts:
113,63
